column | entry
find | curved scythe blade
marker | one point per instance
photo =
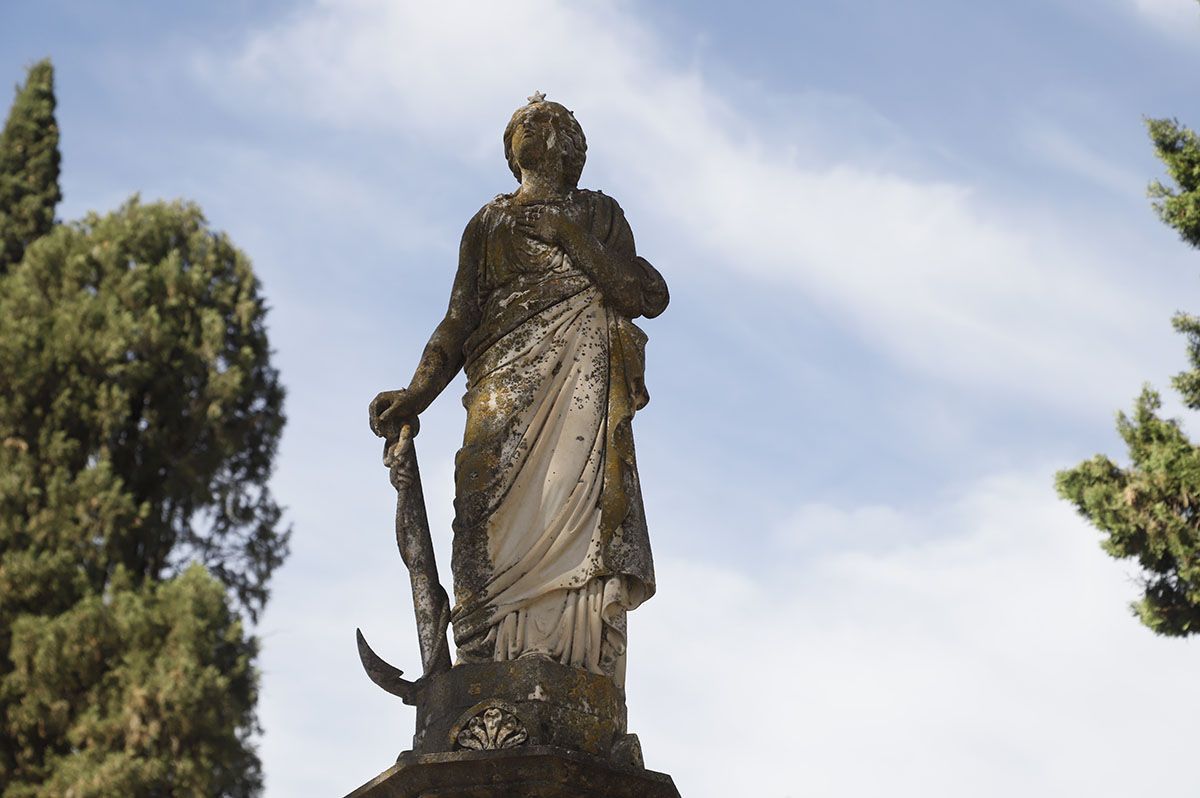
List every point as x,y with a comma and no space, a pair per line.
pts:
387,676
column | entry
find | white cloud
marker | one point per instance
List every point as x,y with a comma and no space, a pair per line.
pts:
930,270
819,526
995,658
1174,16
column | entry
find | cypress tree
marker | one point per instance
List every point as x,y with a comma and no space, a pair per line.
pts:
1149,511
139,419
29,162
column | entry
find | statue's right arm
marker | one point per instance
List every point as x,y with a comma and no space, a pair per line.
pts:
443,355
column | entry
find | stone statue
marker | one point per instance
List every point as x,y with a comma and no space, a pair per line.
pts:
550,546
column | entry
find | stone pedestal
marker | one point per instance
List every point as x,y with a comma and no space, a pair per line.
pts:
530,728
529,772
530,701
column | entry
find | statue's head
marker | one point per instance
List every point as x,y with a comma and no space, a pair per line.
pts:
540,129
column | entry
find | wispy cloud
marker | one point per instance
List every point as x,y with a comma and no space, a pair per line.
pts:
932,270
988,654
1074,155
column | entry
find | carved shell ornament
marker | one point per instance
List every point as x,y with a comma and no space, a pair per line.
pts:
492,729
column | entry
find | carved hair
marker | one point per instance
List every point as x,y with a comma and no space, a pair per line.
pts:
566,129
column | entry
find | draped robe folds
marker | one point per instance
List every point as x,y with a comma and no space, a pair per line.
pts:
550,542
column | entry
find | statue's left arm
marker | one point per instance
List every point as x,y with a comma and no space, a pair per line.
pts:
607,254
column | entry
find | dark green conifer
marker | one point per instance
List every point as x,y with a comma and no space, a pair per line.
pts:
1150,510
29,161
1179,149
139,418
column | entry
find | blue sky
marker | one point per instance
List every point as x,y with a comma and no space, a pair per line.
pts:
913,272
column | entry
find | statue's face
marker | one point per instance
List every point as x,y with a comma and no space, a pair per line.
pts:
534,139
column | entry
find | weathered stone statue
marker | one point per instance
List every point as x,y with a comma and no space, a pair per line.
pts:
550,546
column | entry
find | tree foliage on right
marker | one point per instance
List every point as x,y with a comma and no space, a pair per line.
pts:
1150,510
139,419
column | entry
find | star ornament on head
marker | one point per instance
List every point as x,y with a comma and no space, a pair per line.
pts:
536,97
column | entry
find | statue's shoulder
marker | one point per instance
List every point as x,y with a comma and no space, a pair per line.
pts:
595,197
602,206
499,202
486,217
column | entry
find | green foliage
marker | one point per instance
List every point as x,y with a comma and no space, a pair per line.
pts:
135,343
1150,511
28,166
1179,148
139,418
134,692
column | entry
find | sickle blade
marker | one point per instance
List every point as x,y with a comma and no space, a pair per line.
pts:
389,677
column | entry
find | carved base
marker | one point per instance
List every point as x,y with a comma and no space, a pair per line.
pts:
527,702
524,772
530,728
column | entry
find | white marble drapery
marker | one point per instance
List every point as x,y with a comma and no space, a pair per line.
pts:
549,590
